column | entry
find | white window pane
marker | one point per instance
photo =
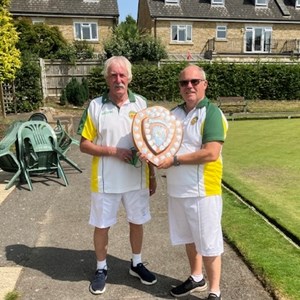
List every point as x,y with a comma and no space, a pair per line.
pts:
261,2
189,33
218,2
174,33
86,34
181,35
221,32
78,31
94,32
249,41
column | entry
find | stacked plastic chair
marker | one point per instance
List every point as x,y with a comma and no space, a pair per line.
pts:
37,150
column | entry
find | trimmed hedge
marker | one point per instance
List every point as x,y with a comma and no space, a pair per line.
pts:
253,81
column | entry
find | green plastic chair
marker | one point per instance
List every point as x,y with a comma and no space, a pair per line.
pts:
37,146
8,157
64,142
38,116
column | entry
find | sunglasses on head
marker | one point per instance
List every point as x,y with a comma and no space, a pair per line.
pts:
192,81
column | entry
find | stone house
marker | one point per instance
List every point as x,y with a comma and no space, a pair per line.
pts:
89,20
224,29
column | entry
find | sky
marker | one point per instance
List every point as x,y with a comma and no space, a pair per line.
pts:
127,7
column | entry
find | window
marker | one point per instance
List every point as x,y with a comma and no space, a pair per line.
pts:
171,1
38,20
181,33
217,2
297,4
86,31
221,32
258,39
261,2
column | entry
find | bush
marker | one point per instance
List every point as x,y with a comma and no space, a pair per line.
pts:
28,84
74,93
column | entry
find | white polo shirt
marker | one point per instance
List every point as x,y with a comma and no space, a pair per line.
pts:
106,124
205,123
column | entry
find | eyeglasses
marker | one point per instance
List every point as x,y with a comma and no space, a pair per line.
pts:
194,82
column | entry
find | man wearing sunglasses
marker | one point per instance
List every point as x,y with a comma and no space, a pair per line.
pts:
194,184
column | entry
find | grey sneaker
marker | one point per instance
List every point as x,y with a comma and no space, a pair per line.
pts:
213,296
97,286
145,276
188,287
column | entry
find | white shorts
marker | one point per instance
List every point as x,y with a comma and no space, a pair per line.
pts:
104,208
197,220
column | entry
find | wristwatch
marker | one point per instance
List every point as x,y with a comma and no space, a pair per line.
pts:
176,162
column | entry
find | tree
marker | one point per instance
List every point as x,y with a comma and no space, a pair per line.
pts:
136,45
39,39
9,55
46,41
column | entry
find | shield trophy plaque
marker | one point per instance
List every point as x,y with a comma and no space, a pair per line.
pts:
156,133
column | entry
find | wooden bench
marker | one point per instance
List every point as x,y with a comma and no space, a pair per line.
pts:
232,104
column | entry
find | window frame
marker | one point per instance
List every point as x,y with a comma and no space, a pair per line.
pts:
36,20
176,2
266,35
218,2
218,27
84,25
261,3
186,29
297,4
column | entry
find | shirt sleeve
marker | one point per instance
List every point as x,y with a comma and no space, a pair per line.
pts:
215,126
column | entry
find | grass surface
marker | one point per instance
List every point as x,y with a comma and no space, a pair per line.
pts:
274,260
261,161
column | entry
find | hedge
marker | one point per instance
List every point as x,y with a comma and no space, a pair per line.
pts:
253,81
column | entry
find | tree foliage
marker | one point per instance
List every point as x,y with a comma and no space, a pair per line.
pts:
28,85
39,39
47,42
136,45
9,55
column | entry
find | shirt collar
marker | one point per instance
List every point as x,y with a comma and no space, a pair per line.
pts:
200,104
106,99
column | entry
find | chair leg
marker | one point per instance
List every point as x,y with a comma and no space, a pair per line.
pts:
28,179
62,174
26,175
12,180
71,163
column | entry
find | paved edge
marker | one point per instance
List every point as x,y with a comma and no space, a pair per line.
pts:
8,279
8,275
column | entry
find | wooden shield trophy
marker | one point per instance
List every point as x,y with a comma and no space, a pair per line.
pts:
156,133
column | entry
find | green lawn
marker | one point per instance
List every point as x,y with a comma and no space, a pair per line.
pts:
271,257
262,162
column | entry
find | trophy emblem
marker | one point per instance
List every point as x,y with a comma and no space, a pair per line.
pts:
156,133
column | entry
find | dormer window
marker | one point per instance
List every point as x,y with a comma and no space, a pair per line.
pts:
261,3
218,2
171,1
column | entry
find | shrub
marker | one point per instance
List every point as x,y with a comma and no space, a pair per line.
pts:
28,84
75,93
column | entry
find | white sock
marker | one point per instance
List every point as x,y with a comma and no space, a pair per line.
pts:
101,264
197,278
136,259
218,293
